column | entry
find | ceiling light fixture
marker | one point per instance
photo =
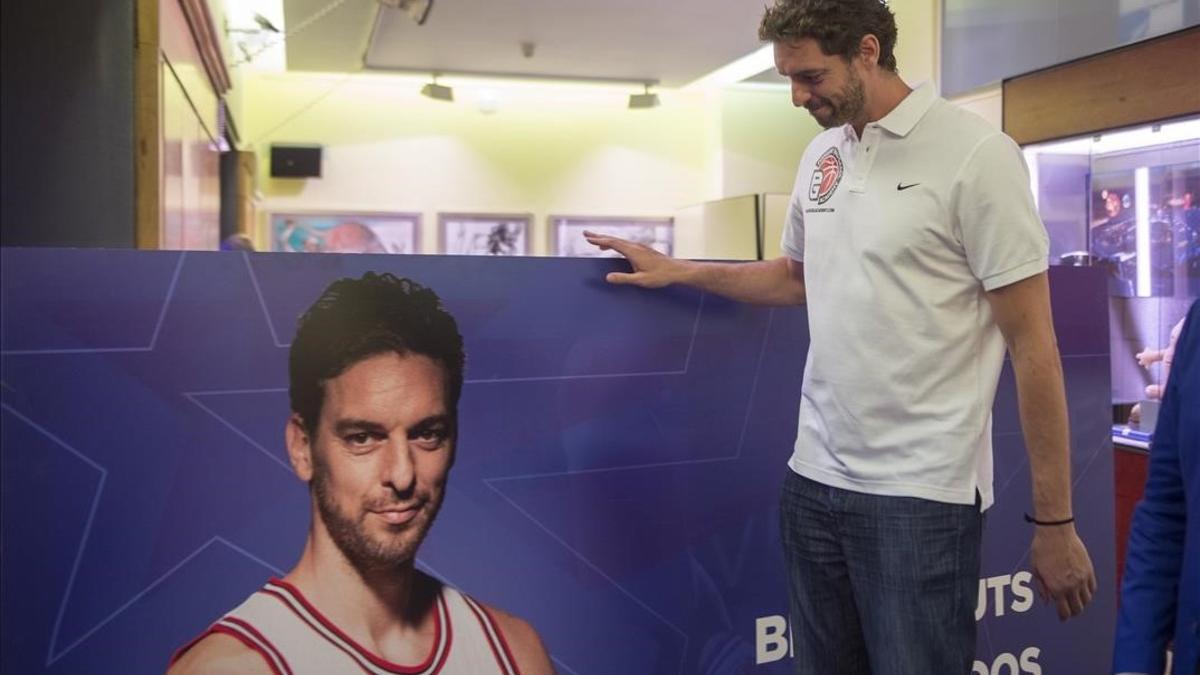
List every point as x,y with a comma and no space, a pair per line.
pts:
418,10
265,23
265,27
644,100
438,92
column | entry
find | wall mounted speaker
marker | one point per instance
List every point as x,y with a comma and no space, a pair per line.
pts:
295,161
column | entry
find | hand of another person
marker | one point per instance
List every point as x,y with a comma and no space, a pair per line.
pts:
1062,569
1154,391
1148,356
651,269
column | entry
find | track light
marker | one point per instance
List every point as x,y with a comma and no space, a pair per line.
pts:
645,100
265,23
438,92
417,10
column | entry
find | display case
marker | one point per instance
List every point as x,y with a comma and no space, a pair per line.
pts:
1128,201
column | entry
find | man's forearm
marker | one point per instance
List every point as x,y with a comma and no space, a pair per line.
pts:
767,282
1060,561
1043,409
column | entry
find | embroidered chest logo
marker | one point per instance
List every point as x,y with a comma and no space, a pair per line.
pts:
826,176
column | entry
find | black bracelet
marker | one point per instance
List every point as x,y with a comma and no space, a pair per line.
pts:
1035,521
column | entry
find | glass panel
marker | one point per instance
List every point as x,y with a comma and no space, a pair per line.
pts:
1128,201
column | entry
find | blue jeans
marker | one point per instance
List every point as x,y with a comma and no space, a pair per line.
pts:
879,585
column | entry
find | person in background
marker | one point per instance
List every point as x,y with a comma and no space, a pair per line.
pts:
237,242
1160,592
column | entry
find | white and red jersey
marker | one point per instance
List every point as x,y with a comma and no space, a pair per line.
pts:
294,638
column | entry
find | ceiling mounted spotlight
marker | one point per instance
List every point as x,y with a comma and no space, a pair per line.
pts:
645,100
261,25
265,23
438,92
418,10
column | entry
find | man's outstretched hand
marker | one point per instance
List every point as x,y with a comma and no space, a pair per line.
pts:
651,269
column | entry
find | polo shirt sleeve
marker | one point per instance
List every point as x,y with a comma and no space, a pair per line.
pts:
997,221
792,241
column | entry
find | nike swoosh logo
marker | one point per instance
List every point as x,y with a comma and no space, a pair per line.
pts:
901,186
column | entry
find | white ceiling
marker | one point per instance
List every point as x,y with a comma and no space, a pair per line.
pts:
668,42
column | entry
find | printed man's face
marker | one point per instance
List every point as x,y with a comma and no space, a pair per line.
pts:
380,457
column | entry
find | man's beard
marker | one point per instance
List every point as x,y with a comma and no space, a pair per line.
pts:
365,552
853,101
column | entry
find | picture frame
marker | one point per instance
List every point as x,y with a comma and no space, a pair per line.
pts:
484,234
345,232
566,233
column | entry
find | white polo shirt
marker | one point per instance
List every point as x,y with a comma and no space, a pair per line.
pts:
901,234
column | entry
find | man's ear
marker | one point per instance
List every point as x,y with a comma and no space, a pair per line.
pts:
868,50
299,448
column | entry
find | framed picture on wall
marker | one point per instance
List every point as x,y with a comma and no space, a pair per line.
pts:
484,234
350,232
567,234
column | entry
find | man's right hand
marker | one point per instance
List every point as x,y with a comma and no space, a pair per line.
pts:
651,269
762,282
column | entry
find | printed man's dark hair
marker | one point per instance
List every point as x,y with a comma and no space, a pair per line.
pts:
355,319
838,26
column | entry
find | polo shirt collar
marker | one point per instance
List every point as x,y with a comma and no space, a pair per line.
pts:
905,116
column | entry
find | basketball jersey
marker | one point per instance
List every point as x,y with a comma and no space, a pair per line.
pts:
294,638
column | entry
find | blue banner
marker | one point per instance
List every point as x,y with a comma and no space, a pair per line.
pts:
618,468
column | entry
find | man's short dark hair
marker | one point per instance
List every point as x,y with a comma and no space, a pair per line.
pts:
838,26
355,319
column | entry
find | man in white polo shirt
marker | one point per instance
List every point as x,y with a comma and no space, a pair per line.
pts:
913,239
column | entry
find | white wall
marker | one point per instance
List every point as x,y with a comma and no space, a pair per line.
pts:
762,138
545,151
987,102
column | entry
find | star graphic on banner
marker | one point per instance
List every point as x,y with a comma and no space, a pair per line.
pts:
103,404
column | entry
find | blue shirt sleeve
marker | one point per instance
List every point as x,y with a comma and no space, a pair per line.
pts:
1154,559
